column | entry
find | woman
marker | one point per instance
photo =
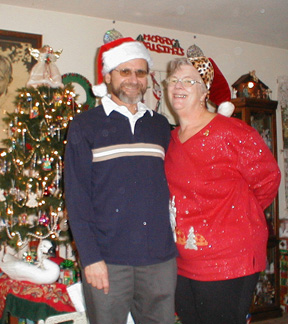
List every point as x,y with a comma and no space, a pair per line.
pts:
221,176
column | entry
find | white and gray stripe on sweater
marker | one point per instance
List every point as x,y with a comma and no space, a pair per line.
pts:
124,150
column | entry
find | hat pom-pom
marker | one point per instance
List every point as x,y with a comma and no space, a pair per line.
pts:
226,109
100,90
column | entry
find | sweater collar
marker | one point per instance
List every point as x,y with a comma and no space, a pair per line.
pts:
109,106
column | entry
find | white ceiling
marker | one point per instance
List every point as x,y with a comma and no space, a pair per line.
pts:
255,21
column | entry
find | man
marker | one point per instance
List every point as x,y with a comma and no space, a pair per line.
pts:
117,195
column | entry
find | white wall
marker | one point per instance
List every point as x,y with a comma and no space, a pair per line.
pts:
80,36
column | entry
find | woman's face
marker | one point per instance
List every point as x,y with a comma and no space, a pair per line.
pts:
185,95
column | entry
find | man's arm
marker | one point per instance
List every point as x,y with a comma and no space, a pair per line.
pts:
259,168
78,194
97,275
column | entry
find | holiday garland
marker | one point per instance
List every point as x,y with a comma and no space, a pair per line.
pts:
31,171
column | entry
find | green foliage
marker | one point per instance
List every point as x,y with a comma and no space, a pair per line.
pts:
31,167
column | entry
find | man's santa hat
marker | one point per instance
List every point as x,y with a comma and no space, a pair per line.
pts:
115,53
219,90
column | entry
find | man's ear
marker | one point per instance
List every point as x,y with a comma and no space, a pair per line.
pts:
107,78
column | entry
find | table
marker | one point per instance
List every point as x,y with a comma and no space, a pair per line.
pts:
23,299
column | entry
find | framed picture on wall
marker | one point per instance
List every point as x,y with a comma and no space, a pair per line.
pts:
15,66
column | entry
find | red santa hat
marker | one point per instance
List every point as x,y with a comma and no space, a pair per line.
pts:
115,53
219,90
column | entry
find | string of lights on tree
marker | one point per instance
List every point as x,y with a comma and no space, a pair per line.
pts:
31,167
31,186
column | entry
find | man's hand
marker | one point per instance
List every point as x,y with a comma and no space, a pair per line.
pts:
97,275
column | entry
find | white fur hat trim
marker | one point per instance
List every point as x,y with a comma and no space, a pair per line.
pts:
124,53
226,108
100,90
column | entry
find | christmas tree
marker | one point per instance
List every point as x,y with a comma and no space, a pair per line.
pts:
32,203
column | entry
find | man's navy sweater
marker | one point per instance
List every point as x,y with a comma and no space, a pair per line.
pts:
116,190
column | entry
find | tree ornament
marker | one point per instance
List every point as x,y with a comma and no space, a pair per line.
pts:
111,35
20,195
46,164
44,220
51,189
43,130
45,72
2,195
30,257
32,200
58,97
10,212
64,225
13,191
22,219
34,112
194,51
46,192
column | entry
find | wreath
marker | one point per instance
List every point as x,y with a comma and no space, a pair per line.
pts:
85,84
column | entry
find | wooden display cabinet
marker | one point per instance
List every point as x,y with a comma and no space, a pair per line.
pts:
261,114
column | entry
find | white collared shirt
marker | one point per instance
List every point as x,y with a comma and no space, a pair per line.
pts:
109,106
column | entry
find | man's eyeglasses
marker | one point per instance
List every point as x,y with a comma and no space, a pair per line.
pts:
186,82
127,73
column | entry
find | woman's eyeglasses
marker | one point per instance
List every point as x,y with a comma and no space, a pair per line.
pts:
127,73
186,82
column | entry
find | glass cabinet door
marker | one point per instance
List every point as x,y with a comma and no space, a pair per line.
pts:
265,295
261,115
262,122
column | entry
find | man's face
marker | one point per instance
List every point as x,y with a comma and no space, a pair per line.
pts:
128,90
4,78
